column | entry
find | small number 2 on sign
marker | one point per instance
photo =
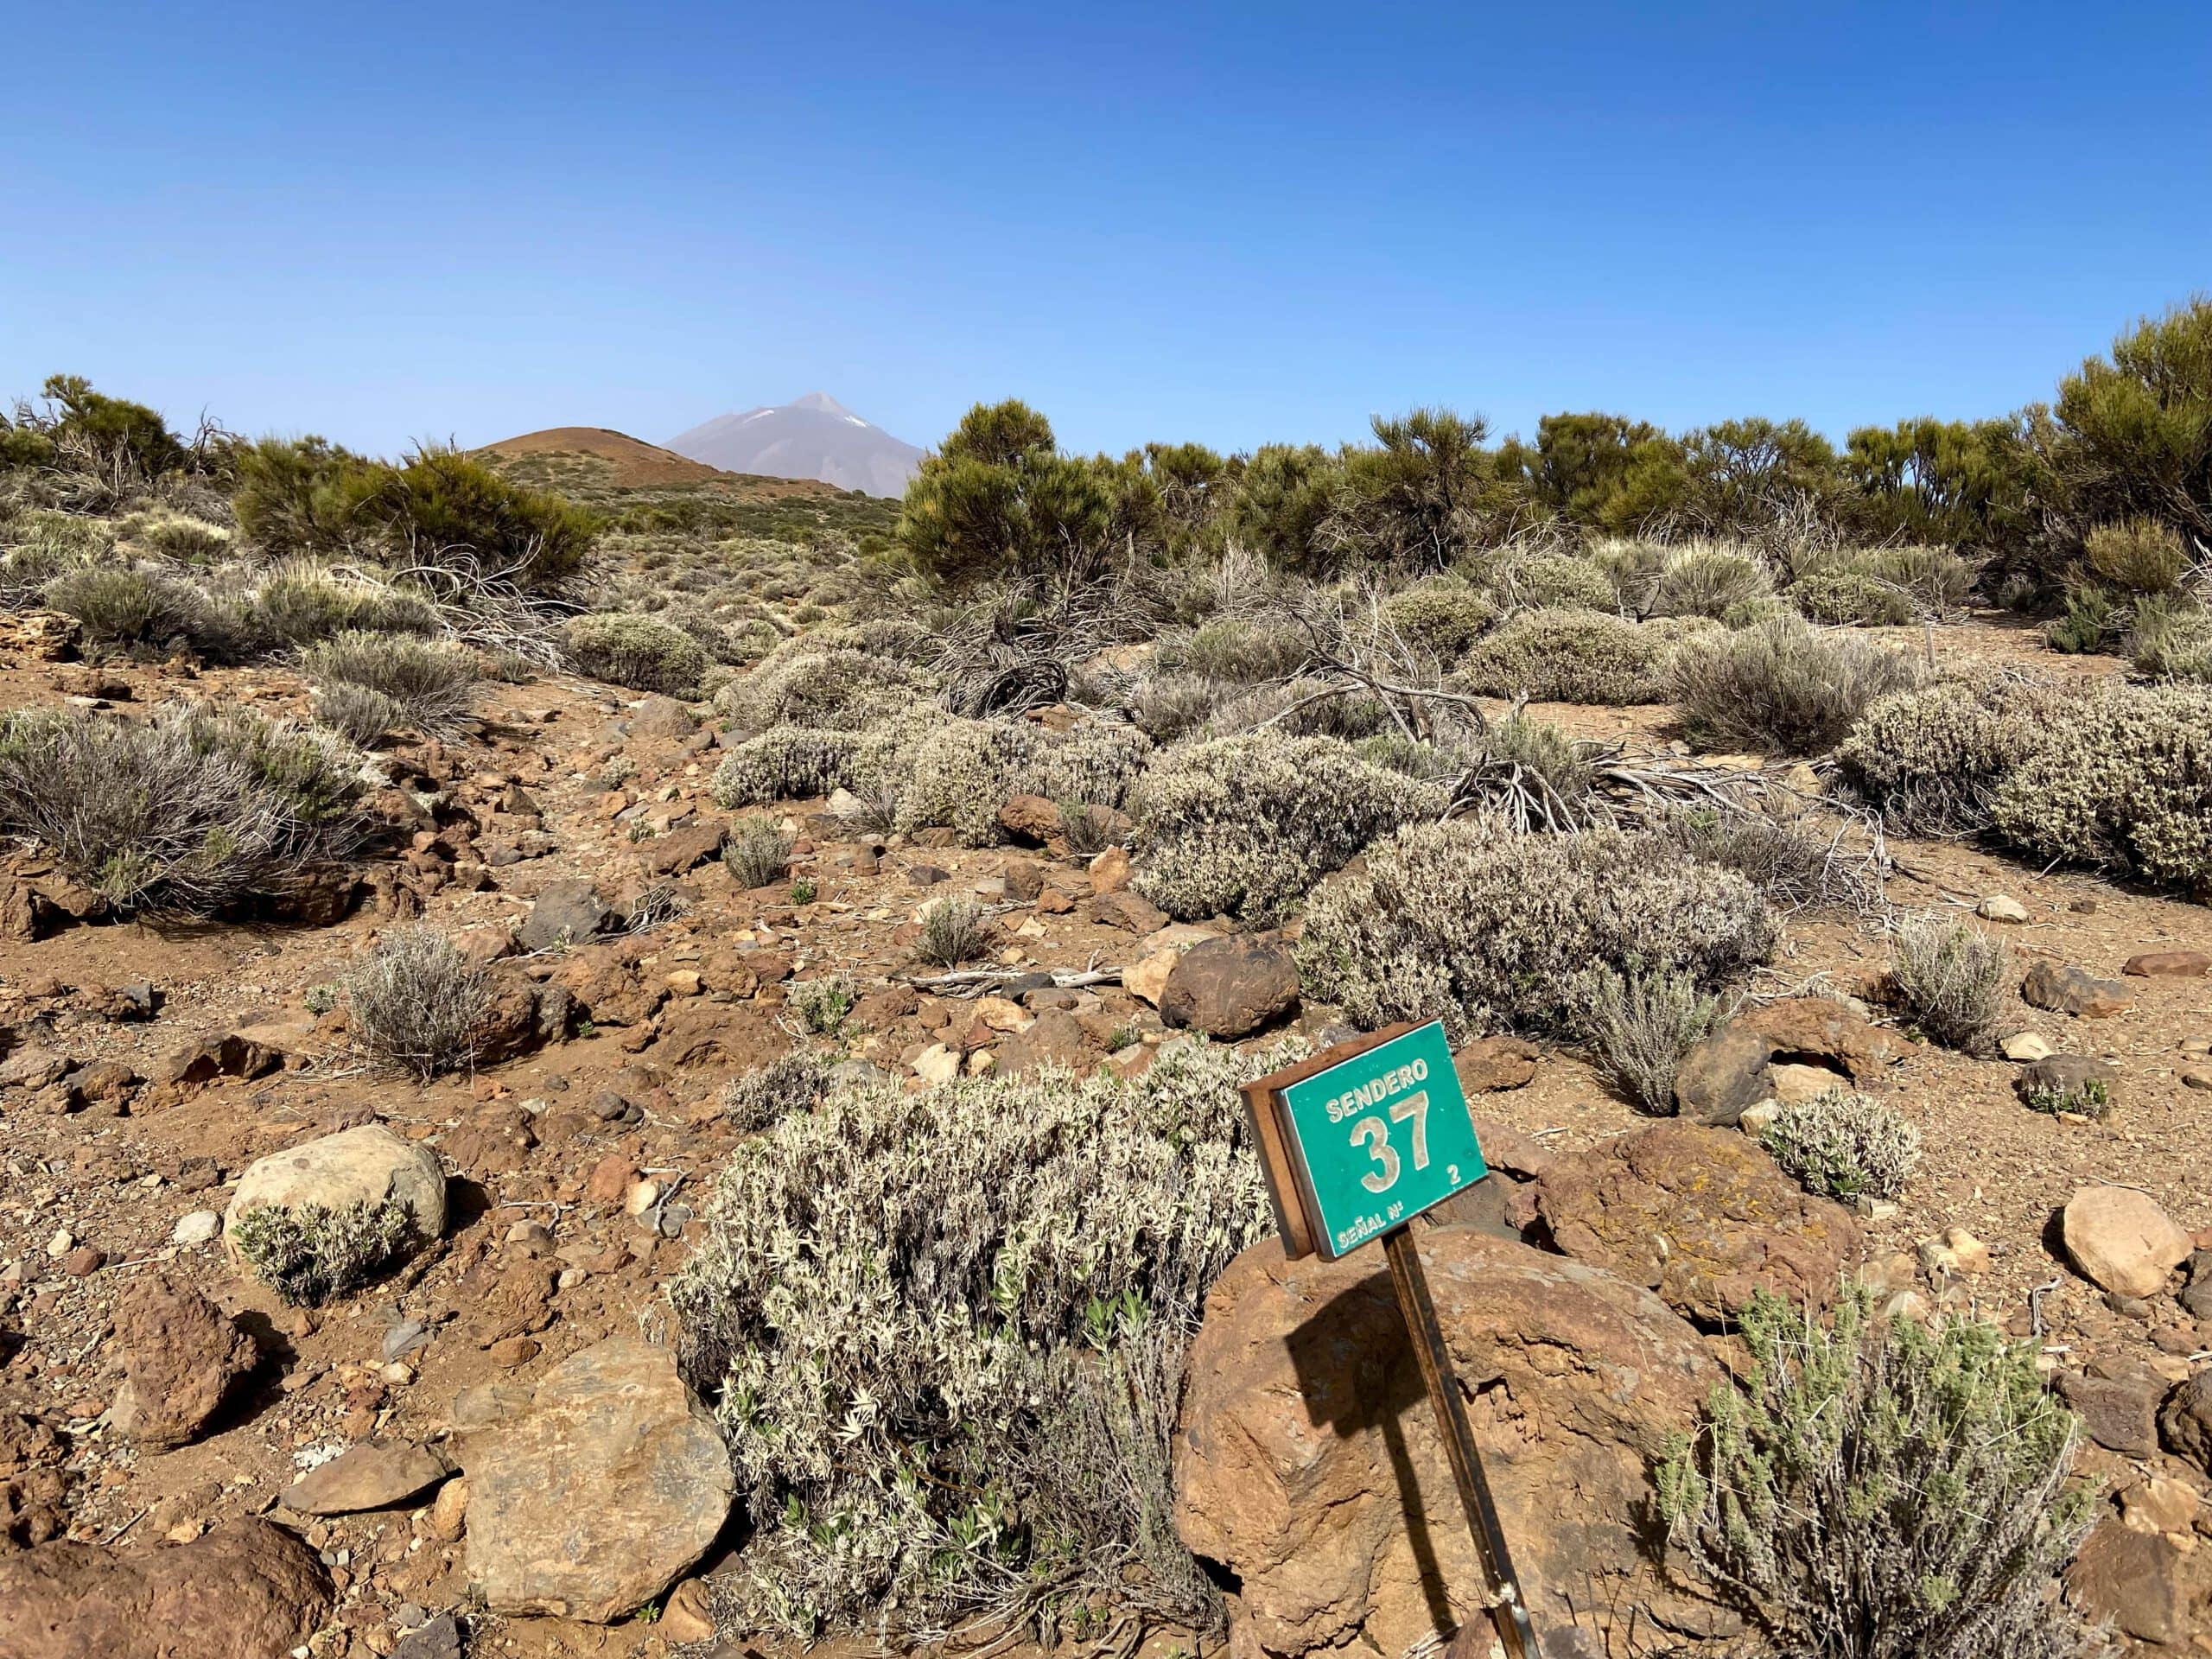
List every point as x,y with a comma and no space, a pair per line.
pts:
1376,1134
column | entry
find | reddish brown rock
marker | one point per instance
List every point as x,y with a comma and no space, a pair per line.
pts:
681,850
247,1589
1053,1038
374,1475
1701,1216
181,1358
1722,1076
1130,911
211,1056
1490,1064
1032,821
1110,871
509,1026
516,1301
2118,1413
1820,1031
40,636
2120,1240
598,1490
1230,988
2168,964
608,988
495,1139
34,1478
2066,989
2132,1578
1309,1464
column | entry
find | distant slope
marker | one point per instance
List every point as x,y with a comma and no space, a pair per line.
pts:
813,437
594,457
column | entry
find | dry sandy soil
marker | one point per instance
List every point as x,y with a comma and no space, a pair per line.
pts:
555,1138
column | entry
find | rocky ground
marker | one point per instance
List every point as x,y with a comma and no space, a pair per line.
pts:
483,1449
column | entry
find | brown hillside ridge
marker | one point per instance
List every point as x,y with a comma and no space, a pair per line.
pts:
632,462
599,458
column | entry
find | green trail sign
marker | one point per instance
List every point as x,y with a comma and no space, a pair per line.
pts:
1363,1137
1356,1141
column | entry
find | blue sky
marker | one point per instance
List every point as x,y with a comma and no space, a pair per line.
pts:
1227,222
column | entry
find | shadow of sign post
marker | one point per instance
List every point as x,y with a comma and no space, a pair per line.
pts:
1356,1140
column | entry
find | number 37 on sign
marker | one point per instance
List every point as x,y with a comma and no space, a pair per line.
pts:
1362,1137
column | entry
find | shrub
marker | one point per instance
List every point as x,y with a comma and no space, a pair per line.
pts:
757,851
2172,638
309,1253
1639,1026
1930,759
191,812
442,513
1568,656
1782,687
1167,706
961,771
793,1082
1709,579
1880,1491
432,683
1088,831
955,929
2091,1097
822,1004
1246,825
2139,555
1938,580
1793,866
2092,621
1951,977
1841,1145
302,604
417,1002
935,1408
1851,598
1554,581
1484,928
640,652
2124,781
836,690
786,763
1243,651
118,605
1442,619
361,716
174,536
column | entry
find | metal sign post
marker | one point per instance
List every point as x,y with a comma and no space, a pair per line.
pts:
1356,1140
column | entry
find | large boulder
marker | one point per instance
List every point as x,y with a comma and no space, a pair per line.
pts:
181,1358
2121,1241
367,1164
599,1492
247,1589
2132,1578
1230,988
1701,1216
1309,1467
